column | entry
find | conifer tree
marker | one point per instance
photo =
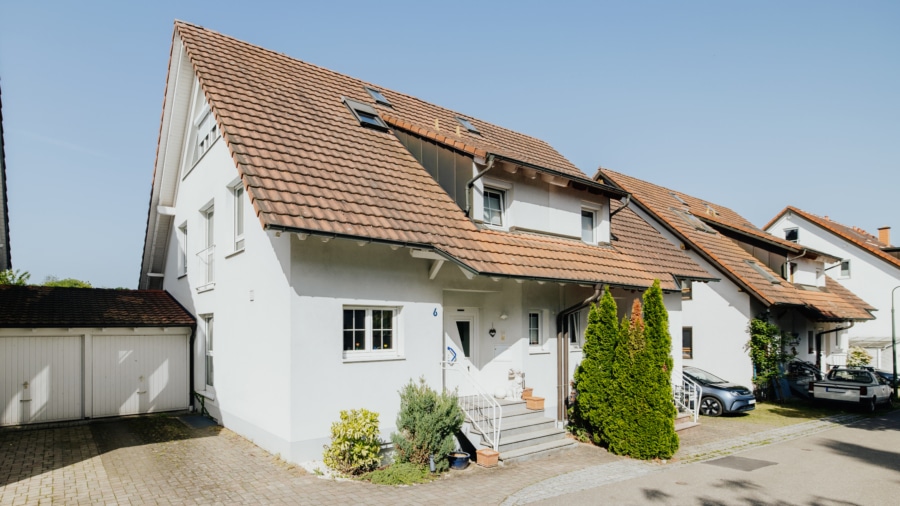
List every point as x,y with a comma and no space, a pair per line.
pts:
593,377
618,433
660,438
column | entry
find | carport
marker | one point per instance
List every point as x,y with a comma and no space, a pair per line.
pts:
73,353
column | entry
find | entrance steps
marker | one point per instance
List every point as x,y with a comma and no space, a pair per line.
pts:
524,433
684,420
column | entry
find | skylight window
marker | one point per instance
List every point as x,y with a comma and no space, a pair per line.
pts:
762,272
676,197
378,96
693,221
467,125
365,114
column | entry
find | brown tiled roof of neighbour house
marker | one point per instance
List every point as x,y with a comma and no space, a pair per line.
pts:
309,167
833,303
57,307
853,235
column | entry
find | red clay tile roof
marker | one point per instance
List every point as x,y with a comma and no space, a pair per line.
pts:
308,166
854,235
733,259
55,307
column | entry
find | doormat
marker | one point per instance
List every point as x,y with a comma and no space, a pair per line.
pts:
740,463
198,421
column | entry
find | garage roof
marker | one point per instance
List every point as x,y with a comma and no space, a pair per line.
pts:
44,306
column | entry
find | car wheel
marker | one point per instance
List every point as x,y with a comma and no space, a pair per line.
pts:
710,406
869,405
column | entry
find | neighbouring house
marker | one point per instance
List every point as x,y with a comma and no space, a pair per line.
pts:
5,253
342,239
762,276
866,264
72,353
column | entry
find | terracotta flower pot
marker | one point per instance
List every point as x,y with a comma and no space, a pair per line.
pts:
534,403
528,392
486,457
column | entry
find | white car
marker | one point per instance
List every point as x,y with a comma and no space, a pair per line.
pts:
856,385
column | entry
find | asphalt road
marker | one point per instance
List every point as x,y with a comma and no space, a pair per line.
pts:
854,465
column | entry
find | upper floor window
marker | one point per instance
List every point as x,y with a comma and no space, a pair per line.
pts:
687,289
237,195
845,268
493,207
207,132
182,249
207,254
687,342
792,234
588,226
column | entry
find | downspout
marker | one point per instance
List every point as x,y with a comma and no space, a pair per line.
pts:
820,334
785,269
624,205
471,182
562,352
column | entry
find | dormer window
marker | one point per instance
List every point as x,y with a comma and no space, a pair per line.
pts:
365,114
588,225
493,207
378,96
467,125
845,268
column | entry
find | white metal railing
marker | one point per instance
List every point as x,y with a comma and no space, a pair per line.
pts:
481,409
207,266
688,395
838,359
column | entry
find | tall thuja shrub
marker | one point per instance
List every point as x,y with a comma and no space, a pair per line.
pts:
625,407
655,365
593,377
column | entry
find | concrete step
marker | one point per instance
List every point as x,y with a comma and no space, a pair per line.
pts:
530,438
538,450
679,426
520,425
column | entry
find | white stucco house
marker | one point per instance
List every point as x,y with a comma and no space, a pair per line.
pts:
866,264
336,239
762,276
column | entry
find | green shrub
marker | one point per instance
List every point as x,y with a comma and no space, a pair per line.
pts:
426,424
858,357
405,473
355,446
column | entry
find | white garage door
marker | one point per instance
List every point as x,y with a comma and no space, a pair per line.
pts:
139,374
40,379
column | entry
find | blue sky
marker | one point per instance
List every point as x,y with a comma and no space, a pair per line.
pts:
750,105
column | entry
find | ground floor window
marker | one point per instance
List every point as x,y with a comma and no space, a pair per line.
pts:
534,328
369,330
687,342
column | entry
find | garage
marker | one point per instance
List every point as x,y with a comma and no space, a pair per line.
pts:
73,353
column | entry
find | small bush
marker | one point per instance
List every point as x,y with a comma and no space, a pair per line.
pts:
355,446
405,473
858,357
426,424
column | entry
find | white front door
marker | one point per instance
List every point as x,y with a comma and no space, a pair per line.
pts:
460,348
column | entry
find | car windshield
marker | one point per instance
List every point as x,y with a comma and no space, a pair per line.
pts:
703,376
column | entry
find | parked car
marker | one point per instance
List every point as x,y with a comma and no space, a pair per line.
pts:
888,376
720,396
856,385
799,373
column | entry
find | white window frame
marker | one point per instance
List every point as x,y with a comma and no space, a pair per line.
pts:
792,229
208,351
207,255
207,132
575,334
846,273
367,353
687,352
237,193
182,236
539,328
504,219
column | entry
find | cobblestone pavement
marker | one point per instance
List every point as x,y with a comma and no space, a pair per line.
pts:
159,460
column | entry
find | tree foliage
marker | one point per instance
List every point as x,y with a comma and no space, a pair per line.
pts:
858,357
766,347
11,277
66,283
426,425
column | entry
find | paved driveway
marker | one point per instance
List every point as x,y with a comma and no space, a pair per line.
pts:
160,460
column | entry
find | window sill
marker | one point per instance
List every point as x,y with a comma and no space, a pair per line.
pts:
538,351
235,253
182,275
209,394
372,358
205,288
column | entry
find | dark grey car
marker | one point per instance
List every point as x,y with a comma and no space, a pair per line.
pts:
720,396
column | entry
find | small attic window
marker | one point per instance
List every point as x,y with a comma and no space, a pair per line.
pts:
676,197
378,96
365,114
710,210
762,272
467,125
